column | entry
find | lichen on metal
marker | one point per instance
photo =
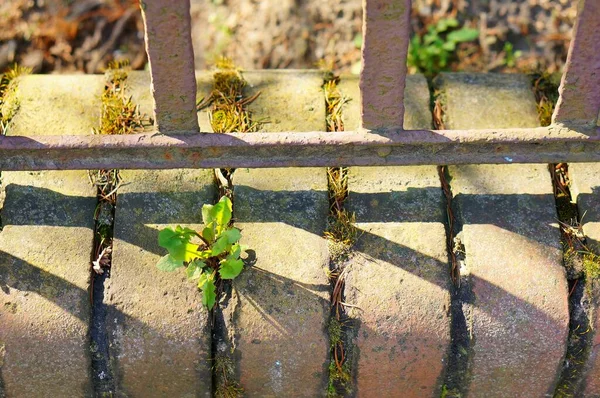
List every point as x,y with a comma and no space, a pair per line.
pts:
386,28
171,58
579,100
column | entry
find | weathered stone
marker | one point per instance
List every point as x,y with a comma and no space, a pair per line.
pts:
399,279
585,179
486,100
519,316
399,275
417,114
45,248
57,105
290,100
159,333
281,305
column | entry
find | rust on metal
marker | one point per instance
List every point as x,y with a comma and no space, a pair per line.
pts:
579,100
551,144
386,30
167,27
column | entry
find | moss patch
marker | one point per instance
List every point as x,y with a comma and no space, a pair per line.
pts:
120,115
224,370
229,111
545,87
9,103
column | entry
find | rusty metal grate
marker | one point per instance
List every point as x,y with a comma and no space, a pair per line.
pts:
381,140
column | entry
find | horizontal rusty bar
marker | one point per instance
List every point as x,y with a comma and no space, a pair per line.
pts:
551,144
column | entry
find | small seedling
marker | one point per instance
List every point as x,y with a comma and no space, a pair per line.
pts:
209,256
432,52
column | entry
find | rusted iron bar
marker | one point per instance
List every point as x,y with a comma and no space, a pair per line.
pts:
167,26
552,144
386,32
579,100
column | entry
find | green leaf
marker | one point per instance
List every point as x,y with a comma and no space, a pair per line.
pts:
222,213
207,214
358,40
449,46
194,269
232,235
208,233
217,216
177,242
230,268
168,263
444,24
207,286
220,246
463,35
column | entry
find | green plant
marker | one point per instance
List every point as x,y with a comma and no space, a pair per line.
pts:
209,256
432,52
510,55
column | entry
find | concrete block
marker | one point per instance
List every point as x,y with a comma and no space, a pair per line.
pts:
519,314
399,274
281,304
45,248
400,280
159,333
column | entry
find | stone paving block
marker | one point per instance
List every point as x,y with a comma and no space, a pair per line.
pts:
45,249
519,316
417,113
282,306
487,100
159,334
399,276
585,187
58,105
400,280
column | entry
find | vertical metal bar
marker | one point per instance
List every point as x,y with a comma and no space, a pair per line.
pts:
386,30
579,100
167,25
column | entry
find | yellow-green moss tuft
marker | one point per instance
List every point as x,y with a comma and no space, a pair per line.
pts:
228,107
120,115
9,103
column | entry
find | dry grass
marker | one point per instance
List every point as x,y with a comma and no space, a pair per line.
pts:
120,115
228,110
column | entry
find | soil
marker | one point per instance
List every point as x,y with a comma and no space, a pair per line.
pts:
65,36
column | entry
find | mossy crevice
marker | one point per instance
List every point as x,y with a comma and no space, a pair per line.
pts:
120,115
228,112
341,234
457,374
582,266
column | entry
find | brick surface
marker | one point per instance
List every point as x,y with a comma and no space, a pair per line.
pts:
519,316
282,303
399,276
159,334
45,249
585,179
